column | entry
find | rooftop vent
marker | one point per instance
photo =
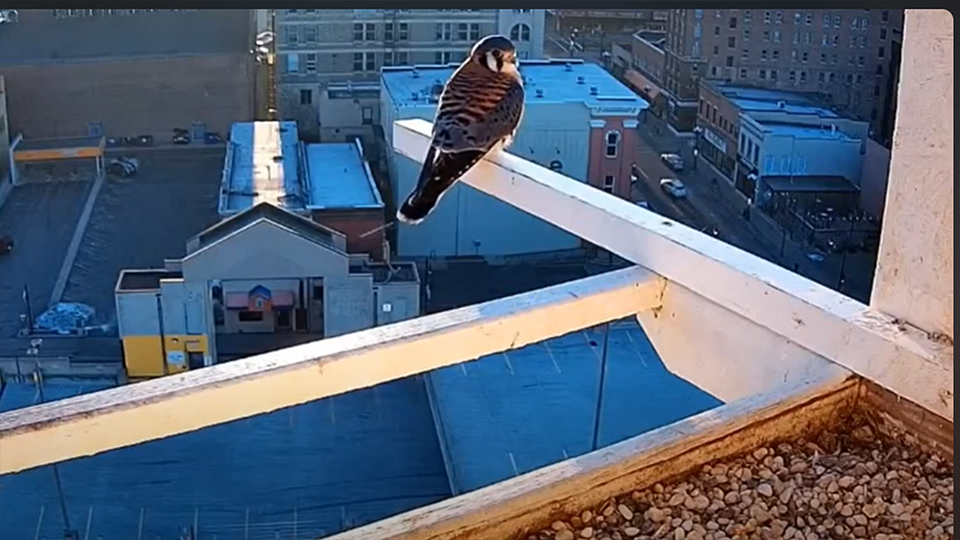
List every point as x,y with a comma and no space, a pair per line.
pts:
539,93
580,79
781,104
414,96
568,67
593,90
415,73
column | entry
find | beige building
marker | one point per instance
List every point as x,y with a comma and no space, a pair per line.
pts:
329,60
126,73
847,56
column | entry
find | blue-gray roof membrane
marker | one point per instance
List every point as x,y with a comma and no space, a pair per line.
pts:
334,464
510,413
339,177
263,166
560,81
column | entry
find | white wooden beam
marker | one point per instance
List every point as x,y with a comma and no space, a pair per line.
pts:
727,355
830,324
128,415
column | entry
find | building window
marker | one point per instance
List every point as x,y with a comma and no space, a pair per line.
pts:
824,40
388,58
733,22
731,42
885,16
766,17
743,73
823,58
358,31
879,69
403,32
766,36
310,34
444,57
306,96
883,33
776,55
837,21
763,74
311,62
444,32
609,183
796,17
716,50
826,20
612,144
804,57
249,316
520,32
763,54
747,15
876,89
776,36
369,32
746,34
881,53
822,77
803,77
364,62
293,35
388,31
293,63
402,58
716,30
809,19
729,61
366,116
778,17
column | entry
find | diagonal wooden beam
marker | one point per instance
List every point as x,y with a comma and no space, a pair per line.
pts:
93,423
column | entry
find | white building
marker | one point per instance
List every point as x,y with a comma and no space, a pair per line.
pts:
572,111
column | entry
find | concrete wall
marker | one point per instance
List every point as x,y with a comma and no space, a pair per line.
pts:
130,96
403,299
915,271
138,325
348,304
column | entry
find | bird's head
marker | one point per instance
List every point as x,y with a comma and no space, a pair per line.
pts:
496,53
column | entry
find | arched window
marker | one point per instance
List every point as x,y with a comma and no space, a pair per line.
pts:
612,144
520,32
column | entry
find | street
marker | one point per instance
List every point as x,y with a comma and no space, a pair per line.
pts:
706,208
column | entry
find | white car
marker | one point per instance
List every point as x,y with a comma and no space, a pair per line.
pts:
673,187
673,161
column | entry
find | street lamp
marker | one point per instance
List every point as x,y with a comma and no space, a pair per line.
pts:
697,131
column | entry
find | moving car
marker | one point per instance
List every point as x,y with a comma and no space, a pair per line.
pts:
123,167
673,187
673,161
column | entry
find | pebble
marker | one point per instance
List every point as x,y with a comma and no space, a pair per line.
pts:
837,487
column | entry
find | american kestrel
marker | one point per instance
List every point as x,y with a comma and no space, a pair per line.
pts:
478,111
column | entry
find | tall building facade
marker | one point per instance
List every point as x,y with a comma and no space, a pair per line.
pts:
329,60
846,56
119,73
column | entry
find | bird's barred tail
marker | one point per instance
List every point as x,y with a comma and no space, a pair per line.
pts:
436,177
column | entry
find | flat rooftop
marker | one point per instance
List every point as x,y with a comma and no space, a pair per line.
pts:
144,280
61,143
167,33
516,411
560,81
262,165
339,178
749,98
318,468
804,131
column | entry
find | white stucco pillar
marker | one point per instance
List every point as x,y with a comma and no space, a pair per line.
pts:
914,279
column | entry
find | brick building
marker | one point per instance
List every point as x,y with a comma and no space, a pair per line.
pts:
122,73
847,56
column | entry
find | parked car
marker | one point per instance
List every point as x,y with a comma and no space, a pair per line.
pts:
181,136
123,167
673,161
673,187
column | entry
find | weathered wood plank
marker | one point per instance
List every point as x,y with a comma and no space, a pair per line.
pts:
845,331
124,416
513,508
